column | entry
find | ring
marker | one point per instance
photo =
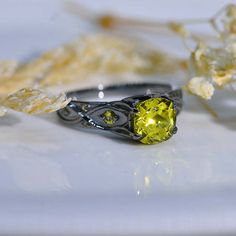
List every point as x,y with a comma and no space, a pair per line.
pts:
146,113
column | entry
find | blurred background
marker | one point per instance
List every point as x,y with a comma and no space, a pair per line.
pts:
43,25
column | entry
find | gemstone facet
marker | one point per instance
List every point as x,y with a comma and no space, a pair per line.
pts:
155,120
109,117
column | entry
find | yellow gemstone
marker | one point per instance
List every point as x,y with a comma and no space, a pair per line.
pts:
155,120
109,117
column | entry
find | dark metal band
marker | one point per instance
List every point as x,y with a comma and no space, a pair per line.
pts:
90,113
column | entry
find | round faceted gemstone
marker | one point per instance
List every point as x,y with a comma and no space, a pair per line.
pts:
109,117
155,120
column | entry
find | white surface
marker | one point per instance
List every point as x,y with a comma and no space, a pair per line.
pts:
60,181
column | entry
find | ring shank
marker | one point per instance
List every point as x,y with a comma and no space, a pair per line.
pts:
121,91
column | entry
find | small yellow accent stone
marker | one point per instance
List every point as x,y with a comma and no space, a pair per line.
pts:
109,117
155,120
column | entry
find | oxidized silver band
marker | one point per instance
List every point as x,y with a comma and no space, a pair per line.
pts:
118,114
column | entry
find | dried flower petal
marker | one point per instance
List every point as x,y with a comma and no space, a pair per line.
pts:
178,28
217,64
232,26
225,22
3,111
199,60
7,69
201,87
34,101
231,11
108,55
106,21
222,78
87,56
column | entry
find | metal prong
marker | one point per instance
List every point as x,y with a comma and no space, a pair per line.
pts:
175,130
135,110
136,137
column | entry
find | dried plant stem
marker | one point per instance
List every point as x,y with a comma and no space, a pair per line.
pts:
156,27
208,108
110,21
193,21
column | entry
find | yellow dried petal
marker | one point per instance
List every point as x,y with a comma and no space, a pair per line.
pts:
87,56
178,28
7,69
35,101
106,21
232,26
222,78
3,111
218,63
201,87
231,11
225,22
200,60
